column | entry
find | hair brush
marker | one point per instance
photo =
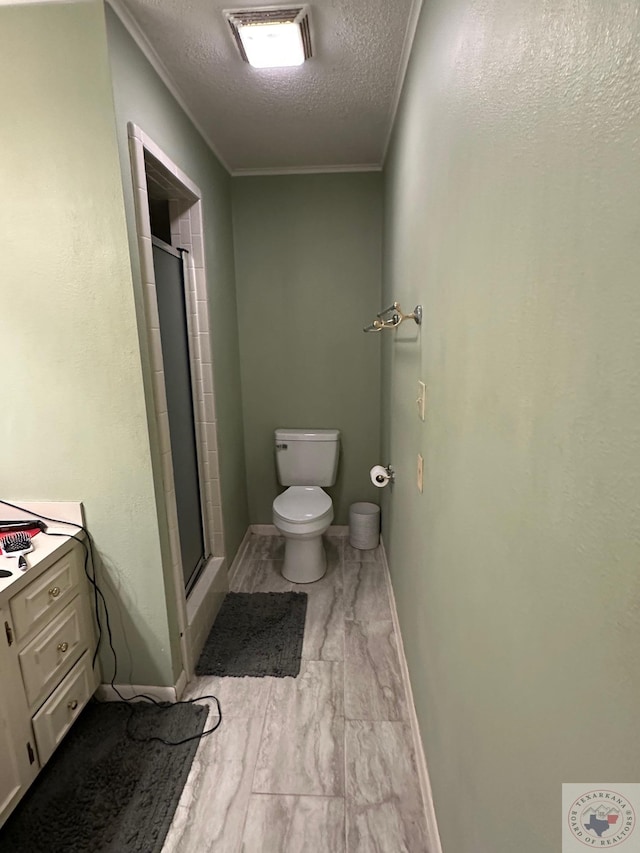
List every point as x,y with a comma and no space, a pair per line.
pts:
17,545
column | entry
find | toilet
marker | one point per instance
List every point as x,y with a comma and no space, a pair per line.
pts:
306,460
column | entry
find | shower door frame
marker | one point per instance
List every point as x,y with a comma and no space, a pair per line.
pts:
196,611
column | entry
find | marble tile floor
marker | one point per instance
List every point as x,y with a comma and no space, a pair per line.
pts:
323,763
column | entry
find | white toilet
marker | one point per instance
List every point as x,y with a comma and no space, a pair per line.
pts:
306,460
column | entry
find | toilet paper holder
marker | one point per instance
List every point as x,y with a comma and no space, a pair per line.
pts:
396,317
390,478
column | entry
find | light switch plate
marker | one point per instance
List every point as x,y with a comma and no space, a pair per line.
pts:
420,472
422,399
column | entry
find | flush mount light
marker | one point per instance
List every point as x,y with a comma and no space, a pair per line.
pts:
271,37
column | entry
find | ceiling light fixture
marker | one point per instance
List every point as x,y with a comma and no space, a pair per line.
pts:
271,37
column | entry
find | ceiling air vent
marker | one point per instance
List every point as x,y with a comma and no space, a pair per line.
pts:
270,37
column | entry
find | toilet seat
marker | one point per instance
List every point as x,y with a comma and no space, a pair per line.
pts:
303,505
302,514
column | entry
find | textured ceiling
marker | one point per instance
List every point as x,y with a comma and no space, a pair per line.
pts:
335,111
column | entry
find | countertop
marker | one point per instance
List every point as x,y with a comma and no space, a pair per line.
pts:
46,548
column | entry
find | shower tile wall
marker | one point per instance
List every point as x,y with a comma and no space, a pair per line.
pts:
324,762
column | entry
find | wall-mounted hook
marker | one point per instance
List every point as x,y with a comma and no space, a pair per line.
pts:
391,318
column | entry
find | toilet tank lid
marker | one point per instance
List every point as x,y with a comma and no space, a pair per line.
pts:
307,434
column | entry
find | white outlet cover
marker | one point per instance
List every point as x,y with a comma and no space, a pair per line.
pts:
422,399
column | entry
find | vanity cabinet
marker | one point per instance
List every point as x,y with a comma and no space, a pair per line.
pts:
47,641
18,765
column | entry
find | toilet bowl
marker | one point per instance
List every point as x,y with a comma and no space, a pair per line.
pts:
306,460
302,514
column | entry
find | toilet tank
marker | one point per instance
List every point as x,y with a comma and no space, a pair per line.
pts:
307,457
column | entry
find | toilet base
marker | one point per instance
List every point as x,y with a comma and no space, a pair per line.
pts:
305,560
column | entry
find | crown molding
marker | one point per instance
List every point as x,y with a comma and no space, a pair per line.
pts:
136,33
407,45
40,2
307,170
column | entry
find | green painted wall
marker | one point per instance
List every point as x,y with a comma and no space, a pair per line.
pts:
308,278
142,98
513,214
73,423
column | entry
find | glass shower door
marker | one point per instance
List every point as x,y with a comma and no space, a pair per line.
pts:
174,337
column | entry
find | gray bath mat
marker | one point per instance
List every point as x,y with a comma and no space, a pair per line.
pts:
103,791
256,633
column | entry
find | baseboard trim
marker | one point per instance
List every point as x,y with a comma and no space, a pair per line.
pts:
433,835
263,529
242,547
272,530
181,685
107,693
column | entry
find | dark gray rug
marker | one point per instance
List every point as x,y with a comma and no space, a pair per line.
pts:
102,791
256,633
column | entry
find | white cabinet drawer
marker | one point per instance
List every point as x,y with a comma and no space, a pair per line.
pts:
52,653
46,595
58,713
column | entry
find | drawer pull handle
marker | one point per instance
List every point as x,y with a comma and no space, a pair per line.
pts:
54,592
72,705
62,647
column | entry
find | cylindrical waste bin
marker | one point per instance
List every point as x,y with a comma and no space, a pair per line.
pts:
364,525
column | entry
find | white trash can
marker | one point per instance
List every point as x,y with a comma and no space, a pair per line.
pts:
364,525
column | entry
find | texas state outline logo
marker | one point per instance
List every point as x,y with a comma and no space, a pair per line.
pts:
600,817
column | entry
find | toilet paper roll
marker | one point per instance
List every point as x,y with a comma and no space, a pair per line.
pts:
379,476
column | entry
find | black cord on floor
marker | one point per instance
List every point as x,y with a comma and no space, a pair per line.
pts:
98,598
